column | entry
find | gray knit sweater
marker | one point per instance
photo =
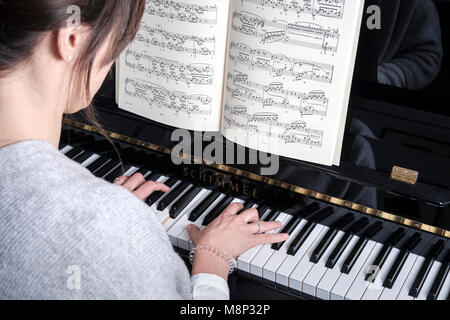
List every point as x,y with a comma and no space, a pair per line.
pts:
65,234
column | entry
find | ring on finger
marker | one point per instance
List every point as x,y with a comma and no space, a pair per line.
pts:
259,227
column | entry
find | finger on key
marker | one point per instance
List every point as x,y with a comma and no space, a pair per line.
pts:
134,182
145,190
120,180
265,226
268,238
250,215
232,209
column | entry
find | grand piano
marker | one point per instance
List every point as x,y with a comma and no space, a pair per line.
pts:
375,227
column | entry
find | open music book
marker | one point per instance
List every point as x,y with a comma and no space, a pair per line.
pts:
272,75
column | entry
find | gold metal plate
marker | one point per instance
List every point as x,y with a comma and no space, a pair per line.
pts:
404,175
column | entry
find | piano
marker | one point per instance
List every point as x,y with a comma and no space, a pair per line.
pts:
374,228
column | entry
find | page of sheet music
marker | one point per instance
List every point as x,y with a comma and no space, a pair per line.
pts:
288,76
173,71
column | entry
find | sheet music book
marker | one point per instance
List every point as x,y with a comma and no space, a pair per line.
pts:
271,75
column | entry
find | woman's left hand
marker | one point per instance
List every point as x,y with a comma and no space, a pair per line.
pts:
139,186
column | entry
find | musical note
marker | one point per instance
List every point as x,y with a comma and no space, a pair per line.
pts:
198,73
184,12
269,125
274,95
280,65
158,96
191,44
325,8
303,34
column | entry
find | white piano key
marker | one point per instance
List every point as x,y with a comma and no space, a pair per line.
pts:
359,285
183,222
272,265
318,270
89,161
304,266
257,263
423,294
409,281
66,149
391,294
331,276
375,289
245,259
131,171
445,291
346,280
183,238
289,264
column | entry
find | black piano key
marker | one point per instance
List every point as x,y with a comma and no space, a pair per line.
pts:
107,168
218,209
204,205
440,279
308,228
262,211
172,195
426,267
329,237
272,216
295,221
301,237
154,176
360,245
342,244
75,152
184,201
385,251
119,171
289,228
155,196
98,164
393,273
83,157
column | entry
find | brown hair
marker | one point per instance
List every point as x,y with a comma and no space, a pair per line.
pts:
23,23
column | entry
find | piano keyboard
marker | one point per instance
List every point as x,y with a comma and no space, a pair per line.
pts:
328,255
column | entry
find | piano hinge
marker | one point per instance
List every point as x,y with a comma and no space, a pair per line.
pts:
404,175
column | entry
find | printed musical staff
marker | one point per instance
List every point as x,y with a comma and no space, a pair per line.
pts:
158,96
191,44
274,95
303,34
280,65
184,12
198,73
325,8
269,125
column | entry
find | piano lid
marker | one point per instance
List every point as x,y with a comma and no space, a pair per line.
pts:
397,119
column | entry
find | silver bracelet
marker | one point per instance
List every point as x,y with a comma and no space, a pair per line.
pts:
231,262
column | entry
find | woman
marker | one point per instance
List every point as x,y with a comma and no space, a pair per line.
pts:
65,234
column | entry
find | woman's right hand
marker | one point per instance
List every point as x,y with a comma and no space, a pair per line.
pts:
233,235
